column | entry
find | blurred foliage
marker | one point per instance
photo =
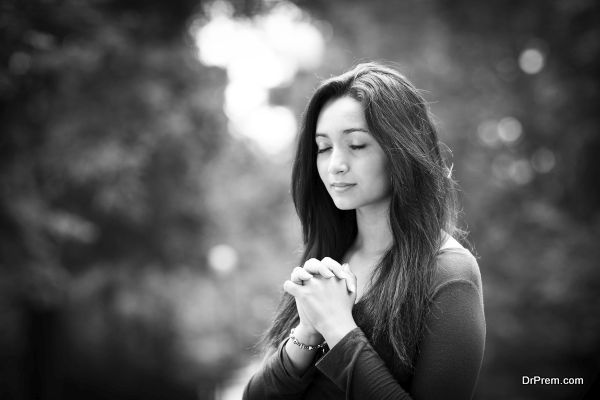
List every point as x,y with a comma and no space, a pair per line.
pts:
118,176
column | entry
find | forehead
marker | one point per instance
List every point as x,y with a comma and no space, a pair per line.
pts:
341,114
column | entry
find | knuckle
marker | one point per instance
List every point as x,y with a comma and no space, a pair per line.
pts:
326,269
312,264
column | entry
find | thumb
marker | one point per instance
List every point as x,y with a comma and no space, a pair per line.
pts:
292,288
351,281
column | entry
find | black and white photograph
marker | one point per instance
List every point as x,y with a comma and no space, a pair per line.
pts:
299,200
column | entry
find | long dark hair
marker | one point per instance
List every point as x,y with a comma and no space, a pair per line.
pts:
422,205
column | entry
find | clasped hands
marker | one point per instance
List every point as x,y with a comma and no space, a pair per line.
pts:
325,292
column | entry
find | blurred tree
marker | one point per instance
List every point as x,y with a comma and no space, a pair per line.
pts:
107,121
117,177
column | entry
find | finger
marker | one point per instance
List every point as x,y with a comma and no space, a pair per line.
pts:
341,272
334,267
315,267
352,281
292,288
299,275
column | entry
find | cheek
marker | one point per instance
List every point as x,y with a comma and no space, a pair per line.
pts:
322,169
380,175
383,181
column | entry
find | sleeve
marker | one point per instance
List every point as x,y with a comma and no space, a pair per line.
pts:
447,366
277,379
356,368
453,345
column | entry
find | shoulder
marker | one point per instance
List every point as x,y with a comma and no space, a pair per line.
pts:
456,265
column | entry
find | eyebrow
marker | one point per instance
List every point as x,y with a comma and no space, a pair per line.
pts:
345,132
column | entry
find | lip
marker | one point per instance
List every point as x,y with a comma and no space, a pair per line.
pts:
341,186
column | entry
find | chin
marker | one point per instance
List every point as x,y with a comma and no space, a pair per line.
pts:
344,205
344,208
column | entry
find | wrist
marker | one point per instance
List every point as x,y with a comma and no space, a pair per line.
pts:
307,335
336,332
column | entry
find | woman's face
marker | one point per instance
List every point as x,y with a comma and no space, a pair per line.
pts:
351,163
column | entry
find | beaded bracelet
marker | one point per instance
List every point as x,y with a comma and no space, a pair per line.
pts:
305,346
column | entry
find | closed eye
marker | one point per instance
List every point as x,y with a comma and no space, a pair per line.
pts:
323,150
358,147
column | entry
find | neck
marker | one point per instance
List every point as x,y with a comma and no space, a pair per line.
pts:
374,236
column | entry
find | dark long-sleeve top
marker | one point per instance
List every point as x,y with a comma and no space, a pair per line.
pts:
447,365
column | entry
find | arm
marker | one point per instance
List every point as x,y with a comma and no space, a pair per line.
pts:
288,372
452,348
447,366
277,378
298,360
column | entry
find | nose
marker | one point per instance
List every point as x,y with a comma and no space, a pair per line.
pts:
338,164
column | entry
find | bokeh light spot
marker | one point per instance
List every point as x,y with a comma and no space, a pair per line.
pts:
242,98
531,61
520,172
509,129
488,133
222,259
508,168
543,160
272,127
259,53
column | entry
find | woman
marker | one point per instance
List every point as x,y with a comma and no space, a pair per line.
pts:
387,305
